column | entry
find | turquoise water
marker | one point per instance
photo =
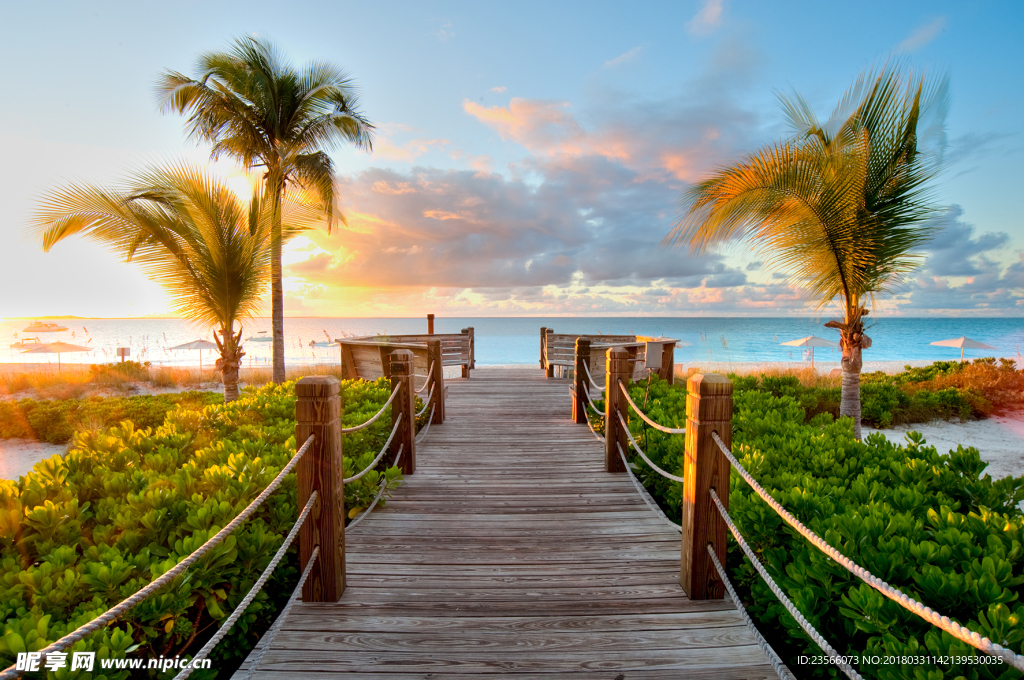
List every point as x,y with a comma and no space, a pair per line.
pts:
515,340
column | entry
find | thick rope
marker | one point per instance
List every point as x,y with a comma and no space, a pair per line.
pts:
428,376
643,492
380,492
398,421
430,395
586,369
656,426
944,622
253,592
790,607
268,637
636,447
599,437
371,421
773,658
118,610
426,428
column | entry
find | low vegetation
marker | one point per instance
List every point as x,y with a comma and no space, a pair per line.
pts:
81,532
931,524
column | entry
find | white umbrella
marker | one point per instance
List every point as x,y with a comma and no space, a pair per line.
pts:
963,343
811,341
57,348
197,344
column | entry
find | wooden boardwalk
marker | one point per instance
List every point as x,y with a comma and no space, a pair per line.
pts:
512,552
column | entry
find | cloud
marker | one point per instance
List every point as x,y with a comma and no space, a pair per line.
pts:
445,32
707,19
624,58
954,249
498,90
922,35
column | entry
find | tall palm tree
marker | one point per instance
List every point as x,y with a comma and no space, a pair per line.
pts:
839,207
189,232
255,107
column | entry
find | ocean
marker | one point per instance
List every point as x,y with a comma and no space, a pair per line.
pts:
515,340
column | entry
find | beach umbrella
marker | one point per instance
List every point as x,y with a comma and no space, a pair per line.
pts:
811,341
197,344
57,348
963,343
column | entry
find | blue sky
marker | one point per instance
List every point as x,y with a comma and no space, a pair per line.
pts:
528,157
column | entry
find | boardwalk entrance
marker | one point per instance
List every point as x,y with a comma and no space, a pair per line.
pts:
510,551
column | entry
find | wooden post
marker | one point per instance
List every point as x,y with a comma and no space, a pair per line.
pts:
708,409
579,404
472,348
434,359
467,350
549,368
543,338
668,363
318,413
430,324
617,367
404,404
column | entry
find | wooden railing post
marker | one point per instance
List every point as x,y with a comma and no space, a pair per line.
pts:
430,324
318,413
668,363
617,367
543,339
466,347
434,359
404,404
708,409
472,348
579,404
549,368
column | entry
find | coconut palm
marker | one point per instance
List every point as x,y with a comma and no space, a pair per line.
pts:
255,107
839,207
189,232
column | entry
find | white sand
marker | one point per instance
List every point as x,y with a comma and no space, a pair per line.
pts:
999,440
17,456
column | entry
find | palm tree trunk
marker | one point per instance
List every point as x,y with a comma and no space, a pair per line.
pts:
849,404
230,360
276,283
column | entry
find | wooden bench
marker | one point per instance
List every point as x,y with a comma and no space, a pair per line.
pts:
457,349
559,350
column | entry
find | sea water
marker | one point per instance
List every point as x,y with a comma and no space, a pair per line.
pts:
516,340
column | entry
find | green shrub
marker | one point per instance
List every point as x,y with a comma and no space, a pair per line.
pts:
57,420
930,524
80,533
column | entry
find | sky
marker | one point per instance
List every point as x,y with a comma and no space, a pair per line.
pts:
528,157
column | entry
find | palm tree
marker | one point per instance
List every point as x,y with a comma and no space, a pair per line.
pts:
190,233
839,206
256,108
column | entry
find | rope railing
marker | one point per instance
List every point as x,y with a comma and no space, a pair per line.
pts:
830,651
380,492
254,591
398,421
268,637
426,428
120,609
656,426
636,447
643,492
773,658
910,604
429,378
371,421
599,437
426,403
586,369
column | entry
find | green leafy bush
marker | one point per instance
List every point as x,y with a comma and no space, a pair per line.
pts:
930,524
81,532
57,420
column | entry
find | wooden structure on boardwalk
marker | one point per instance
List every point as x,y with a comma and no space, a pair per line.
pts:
512,551
561,350
365,357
